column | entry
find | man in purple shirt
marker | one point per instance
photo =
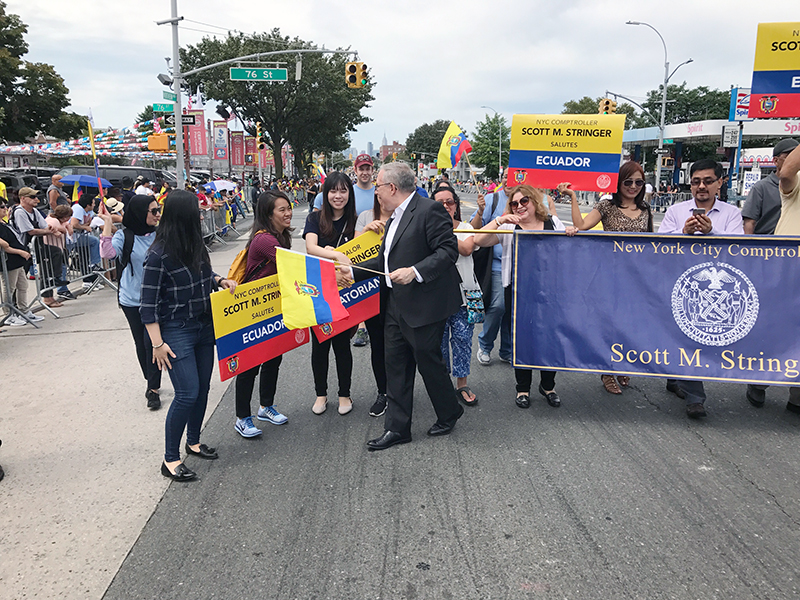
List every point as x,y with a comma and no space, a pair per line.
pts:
704,214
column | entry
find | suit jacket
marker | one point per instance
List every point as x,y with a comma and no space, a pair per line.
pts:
424,239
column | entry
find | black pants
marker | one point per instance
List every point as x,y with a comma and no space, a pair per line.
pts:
344,363
267,384
408,349
144,347
378,356
524,377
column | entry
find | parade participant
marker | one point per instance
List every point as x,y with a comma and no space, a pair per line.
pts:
760,215
55,193
527,210
457,328
272,228
364,189
419,252
176,310
325,230
130,246
627,210
704,214
375,220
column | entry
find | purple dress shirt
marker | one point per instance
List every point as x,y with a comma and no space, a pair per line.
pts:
726,219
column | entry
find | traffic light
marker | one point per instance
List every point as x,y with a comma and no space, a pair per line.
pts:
394,155
259,136
667,162
607,107
351,74
158,142
362,74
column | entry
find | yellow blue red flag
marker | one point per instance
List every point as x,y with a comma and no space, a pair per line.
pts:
454,144
309,295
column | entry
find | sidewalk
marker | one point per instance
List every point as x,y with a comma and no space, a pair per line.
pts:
80,449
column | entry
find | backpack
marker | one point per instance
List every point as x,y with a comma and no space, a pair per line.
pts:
238,269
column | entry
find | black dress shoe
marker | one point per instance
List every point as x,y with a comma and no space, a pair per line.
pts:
205,452
755,396
695,411
552,398
182,473
523,401
153,400
676,389
440,429
791,407
387,440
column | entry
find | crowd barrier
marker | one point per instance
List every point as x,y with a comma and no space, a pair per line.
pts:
8,307
214,225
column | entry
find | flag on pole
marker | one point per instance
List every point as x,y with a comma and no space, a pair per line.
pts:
454,144
309,295
76,193
320,172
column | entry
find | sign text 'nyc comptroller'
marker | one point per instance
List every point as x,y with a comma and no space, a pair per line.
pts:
583,150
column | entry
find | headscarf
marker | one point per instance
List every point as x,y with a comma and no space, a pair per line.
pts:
135,222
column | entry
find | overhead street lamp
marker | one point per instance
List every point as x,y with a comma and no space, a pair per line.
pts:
667,77
499,143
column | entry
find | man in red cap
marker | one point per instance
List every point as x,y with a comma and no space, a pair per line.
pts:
364,189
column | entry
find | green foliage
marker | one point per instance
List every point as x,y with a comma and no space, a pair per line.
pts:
587,106
685,105
70,125
426,140
314,114
485,144
32,95
147,114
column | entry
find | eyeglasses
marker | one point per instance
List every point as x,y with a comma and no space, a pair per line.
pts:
377,185
522,202
155,211
706,182
448,202
633,182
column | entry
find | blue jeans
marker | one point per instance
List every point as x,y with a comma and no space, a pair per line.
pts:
85,240
192,342
497,319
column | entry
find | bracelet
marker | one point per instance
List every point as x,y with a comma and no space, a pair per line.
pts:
220,280
496,222
159,346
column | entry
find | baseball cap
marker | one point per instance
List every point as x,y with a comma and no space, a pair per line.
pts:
26,191
785,145
363,159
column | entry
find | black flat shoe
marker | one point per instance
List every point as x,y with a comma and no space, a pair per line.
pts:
552,398
182,473
153,400
205,452
387,440
755,396
523,401
440,429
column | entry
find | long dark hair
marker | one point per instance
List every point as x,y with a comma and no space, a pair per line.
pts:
179,233
446,187
626,171
335,180
262,220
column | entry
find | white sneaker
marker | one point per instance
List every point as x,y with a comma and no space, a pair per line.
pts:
16,321
33,317
88,286
484,357
246,428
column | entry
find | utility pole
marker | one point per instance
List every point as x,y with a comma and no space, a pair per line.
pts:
176,88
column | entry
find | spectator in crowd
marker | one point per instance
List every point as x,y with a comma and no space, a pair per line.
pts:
31,226
457,328
115,204
55,193
56,247
16,257
627,210
88,246
272,229
325,230
526,210
704,214
144,187
176,310
130,246
762,209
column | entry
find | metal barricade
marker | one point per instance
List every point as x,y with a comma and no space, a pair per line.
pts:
7,302
215,232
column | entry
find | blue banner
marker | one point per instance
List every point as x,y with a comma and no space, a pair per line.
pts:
690,307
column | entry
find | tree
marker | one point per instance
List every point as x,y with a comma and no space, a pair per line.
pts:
685,105
32,95
427,138
314,114
70,125
485,143
587,106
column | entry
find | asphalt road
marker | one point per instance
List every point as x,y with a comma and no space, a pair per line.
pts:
605,497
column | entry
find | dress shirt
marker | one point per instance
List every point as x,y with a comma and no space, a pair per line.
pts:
725,218
395,222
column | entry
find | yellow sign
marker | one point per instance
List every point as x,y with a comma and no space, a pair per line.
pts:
778,47
362,248
568,133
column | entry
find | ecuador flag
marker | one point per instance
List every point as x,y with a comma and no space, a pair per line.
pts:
454,144
309,295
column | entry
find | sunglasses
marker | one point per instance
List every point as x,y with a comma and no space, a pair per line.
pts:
448,202
522,202
706,182
155,211
633,182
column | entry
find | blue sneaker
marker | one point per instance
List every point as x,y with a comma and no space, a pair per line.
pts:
246,428
271,414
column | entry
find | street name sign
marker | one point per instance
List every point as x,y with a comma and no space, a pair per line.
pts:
170,96
241,74
163,107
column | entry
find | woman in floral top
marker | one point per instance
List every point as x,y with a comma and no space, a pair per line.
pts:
625,211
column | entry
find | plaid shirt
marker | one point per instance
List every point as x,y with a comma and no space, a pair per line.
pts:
172,292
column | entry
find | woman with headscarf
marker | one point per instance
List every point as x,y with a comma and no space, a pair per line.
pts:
129,246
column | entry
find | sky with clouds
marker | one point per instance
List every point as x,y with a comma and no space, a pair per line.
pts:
429,60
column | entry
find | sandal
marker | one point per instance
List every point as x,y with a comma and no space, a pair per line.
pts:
610,384
466,399
624,381
55,304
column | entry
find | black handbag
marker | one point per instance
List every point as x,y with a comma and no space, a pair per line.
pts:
482,262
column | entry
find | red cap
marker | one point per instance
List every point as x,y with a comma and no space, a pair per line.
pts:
363,159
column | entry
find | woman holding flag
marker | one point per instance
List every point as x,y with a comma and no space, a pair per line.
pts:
176,310
325,230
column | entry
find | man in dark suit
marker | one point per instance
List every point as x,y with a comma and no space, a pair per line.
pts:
419,252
